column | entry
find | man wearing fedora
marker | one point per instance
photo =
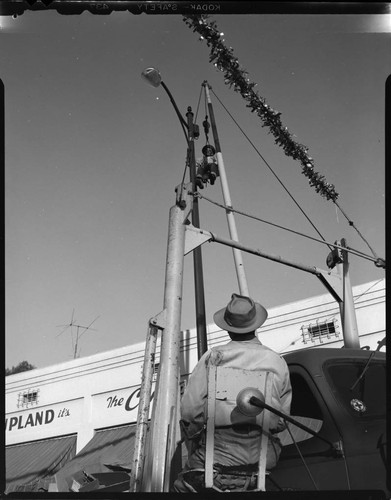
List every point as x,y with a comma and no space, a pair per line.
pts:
235,445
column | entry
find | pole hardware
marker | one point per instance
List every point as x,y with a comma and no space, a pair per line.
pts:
194,237
159,321
331,281
346,306
380,263
207,167
182,196
202,343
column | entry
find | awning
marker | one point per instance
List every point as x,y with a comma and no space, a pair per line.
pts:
109,450
27,465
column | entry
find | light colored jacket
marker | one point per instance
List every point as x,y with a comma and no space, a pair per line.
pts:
234,447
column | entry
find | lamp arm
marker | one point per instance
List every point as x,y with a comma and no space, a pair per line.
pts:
181,119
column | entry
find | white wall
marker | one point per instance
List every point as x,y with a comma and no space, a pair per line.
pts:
75,397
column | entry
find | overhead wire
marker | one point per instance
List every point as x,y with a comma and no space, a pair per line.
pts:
333,245
198,106
351,223
301,456
378,261
367,290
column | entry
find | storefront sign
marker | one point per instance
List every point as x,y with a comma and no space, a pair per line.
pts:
116,407
131,403
32,419
43,422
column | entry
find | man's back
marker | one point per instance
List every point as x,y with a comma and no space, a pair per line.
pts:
236,445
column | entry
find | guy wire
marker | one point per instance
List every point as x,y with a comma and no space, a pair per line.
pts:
351,223
270,168
330,245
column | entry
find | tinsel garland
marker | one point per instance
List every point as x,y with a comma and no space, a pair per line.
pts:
235,76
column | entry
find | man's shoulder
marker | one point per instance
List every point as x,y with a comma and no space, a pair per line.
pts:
246,348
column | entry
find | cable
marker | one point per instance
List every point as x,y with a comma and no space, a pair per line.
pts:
351,223
378,261
301,456
367,290
198,105
270,168
333,245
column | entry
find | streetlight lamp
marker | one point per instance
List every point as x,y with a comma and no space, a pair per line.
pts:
153,77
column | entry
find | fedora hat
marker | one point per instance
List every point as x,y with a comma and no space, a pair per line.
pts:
242,315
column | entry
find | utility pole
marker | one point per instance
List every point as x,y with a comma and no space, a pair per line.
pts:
240,272
346,306
202,344
164,430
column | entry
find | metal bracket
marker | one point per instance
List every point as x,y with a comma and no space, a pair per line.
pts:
194,237
332,282
183,198
159,321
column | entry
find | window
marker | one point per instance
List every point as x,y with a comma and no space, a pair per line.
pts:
28,398
303,399
362,393
305,410
319,331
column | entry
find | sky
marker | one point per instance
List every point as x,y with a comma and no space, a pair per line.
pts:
93,155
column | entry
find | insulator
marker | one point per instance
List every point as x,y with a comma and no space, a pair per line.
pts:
196,131
208,150
206,125
200,176
333,258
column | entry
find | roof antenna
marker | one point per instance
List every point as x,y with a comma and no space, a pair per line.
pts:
71,325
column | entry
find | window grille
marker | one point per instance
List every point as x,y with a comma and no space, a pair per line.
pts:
28,398
320,331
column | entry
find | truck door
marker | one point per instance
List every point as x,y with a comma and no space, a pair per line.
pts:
324,467
358,388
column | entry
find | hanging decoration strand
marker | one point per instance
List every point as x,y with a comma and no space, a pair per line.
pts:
235,76
330,245
270,168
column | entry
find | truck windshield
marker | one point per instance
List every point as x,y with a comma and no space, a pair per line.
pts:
368,396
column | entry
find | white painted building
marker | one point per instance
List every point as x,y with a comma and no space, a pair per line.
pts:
83,412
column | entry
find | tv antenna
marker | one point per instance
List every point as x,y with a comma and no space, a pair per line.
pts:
71,325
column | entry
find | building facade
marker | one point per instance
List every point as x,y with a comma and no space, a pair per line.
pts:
83,412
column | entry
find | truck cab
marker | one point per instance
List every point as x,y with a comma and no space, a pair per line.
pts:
341,394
